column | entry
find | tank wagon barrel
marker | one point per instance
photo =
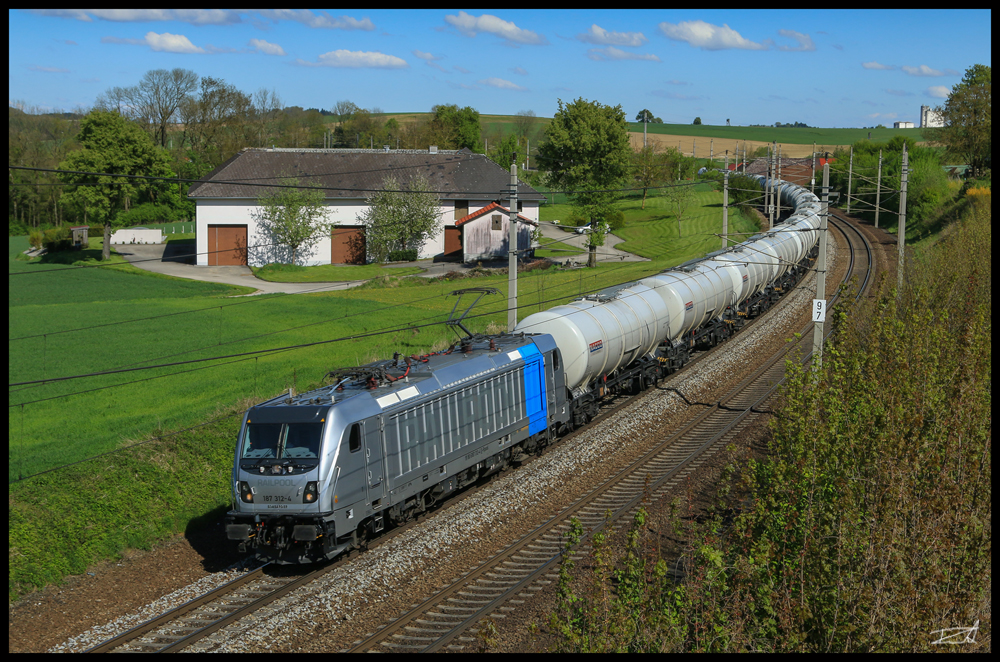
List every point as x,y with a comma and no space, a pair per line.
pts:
601,334
320,473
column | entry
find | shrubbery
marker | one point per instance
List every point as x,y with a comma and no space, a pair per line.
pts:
867,526
149,214
57,239
408,255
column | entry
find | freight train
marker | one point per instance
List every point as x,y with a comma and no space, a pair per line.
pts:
322,472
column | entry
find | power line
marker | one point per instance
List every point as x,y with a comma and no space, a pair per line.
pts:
251,353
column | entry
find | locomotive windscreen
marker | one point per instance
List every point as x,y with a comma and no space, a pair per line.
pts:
282,440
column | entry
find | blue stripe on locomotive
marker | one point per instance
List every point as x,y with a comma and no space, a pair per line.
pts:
534,388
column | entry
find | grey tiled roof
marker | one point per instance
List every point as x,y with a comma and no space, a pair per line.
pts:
354,173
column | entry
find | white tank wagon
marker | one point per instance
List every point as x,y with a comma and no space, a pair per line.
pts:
661,318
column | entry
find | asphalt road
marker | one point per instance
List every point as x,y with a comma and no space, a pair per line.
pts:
178,260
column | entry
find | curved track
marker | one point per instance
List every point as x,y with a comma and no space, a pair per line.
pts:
449,619
515,573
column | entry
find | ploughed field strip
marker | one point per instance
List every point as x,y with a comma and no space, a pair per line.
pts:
450,618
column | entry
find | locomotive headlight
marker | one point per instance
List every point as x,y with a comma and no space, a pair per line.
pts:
310,493
246,494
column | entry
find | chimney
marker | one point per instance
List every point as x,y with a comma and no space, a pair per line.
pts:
433,149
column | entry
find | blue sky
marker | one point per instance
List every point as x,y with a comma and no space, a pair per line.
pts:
825,68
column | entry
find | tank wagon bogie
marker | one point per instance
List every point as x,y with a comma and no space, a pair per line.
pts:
320,473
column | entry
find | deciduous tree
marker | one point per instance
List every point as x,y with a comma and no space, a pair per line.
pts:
400,216
294,217
652,167
586,152
967,117
112,144
456,128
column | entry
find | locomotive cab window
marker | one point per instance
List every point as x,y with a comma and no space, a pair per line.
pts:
282,440
353,437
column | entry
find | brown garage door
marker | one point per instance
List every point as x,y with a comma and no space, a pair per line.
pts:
453,242
227,244
348,245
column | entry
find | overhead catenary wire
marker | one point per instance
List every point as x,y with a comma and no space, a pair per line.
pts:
262,352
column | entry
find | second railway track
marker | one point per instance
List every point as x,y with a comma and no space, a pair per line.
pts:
445,620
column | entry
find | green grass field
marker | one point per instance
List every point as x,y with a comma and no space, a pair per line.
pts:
174,320
66,321
328,273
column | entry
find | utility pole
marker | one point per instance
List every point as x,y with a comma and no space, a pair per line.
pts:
777,198
819,303
645,121
725,204
850,175
770,181
901,233
878,188
711,151
512,244
812,174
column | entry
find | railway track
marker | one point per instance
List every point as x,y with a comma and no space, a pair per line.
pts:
445,620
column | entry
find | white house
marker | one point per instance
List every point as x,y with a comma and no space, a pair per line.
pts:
228,234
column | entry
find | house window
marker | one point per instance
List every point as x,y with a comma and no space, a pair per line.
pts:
461,209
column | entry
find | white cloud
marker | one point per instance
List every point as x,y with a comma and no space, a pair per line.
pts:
47,70
171,43
357,59
461,70
161,43
321,20
805,41
470,25
876,65
502,84
598,35
520,71
266,47
430,60
212,17
938,91
709,37
674,95
924,70
192,16
612,53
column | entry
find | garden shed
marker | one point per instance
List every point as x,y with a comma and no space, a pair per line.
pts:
485,234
